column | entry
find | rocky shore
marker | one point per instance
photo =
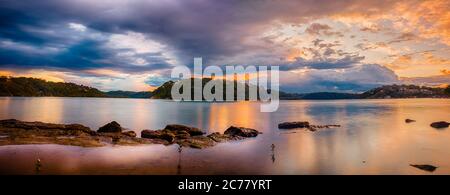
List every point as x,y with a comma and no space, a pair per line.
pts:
15,132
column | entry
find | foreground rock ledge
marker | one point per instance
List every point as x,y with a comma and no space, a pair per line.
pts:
15,132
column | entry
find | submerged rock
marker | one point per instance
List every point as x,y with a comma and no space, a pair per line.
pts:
218,137
182,135
241,131
409,120
172,132
112,127
293,125
440,124
13,123
303,124
194,138
129,133
198,142
181,129
429,168
158,134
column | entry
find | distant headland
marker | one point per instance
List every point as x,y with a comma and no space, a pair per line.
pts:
33,87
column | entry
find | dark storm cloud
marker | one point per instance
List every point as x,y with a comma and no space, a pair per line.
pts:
83,55
345,62
322,85
210,29
10,26
324,56
358,78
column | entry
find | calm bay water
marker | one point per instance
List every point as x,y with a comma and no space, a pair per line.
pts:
373,139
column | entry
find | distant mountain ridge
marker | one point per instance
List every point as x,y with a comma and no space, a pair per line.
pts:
406,91
33,87
129,94
383,92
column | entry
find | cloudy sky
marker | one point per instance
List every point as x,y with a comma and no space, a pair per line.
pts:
346,46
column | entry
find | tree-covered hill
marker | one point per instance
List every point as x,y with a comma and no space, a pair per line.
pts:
22,86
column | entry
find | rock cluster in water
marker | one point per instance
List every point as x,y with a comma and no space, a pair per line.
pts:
13,131
194,137
303,124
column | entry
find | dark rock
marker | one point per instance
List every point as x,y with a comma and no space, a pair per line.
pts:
112,127
292,125
198,142
315,127
78,127
129,133
312,128
429,168
182,135
13,123
303,124
159,134
440,124
409,120
115,139
8,121
241,131
16,132
179,128
217,137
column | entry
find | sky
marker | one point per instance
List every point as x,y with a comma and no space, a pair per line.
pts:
319,45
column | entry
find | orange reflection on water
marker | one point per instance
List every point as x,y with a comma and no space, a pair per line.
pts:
222,115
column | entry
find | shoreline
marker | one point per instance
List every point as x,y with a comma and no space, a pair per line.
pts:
16,132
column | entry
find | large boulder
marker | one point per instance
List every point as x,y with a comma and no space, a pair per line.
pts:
181,134
112,127
180,129
158,134
292,125
440,124
241,131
